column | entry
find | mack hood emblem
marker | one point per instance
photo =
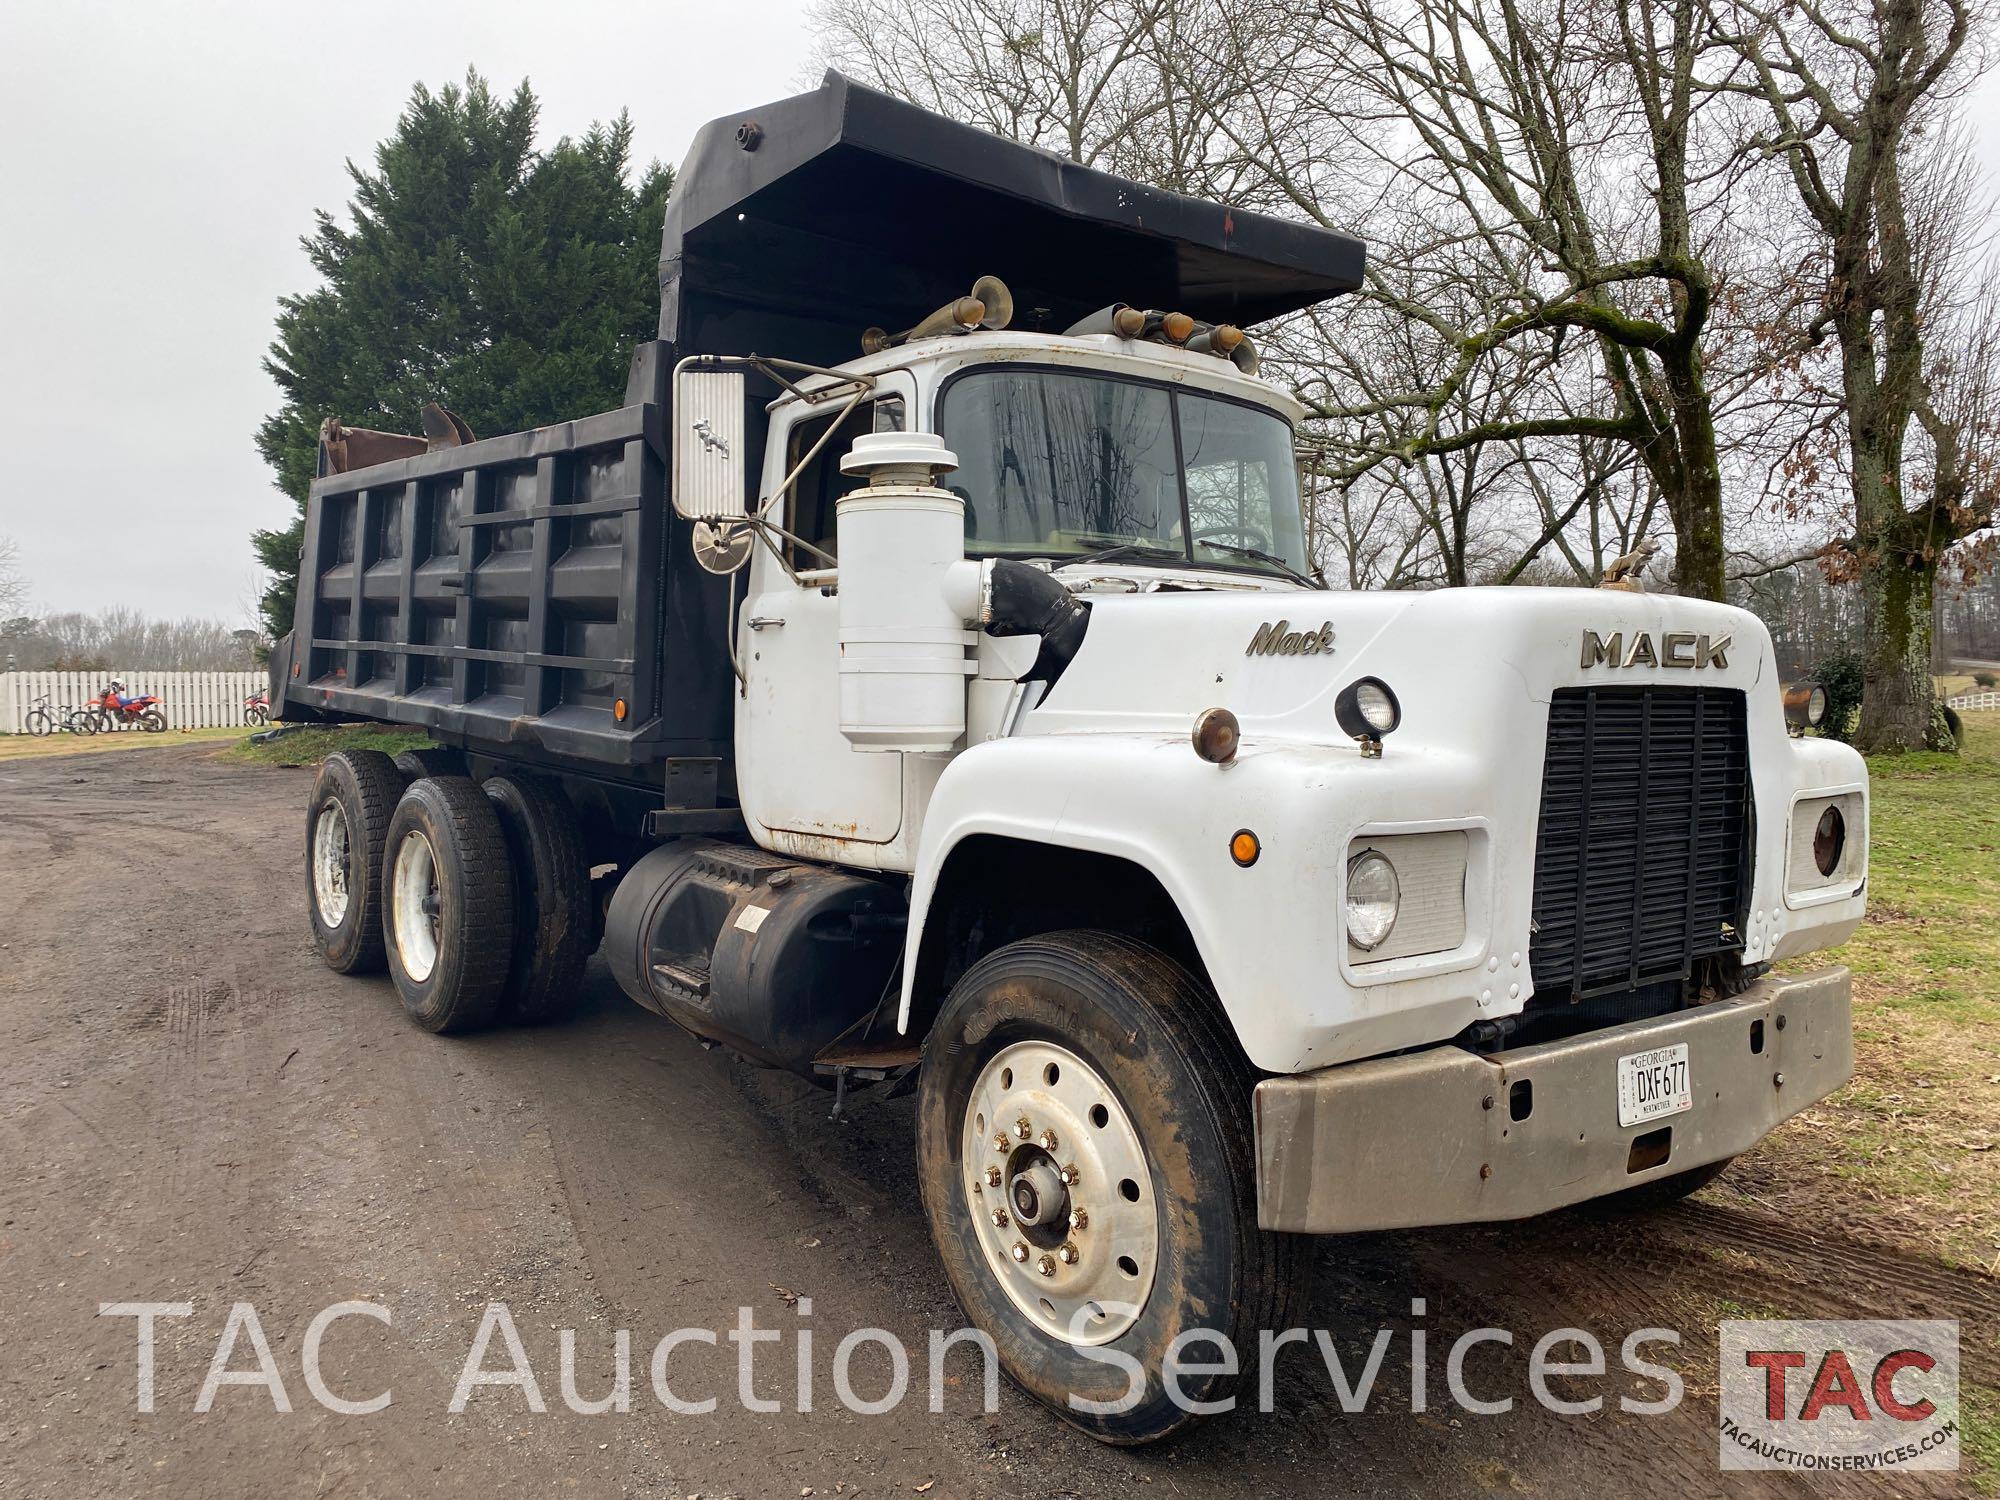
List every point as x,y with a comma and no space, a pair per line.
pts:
1277,638
1678,648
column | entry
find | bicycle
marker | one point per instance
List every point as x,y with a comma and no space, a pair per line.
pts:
38,721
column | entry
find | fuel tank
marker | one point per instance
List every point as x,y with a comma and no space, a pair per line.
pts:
772,958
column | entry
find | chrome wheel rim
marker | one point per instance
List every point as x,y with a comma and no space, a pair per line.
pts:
1056,1183
330,847
413,897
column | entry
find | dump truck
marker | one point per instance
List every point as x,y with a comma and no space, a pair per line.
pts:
942,697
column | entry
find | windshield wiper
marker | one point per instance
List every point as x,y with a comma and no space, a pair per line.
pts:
1122,549
1257,554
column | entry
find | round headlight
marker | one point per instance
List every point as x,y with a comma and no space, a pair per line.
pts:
1376,706
1367,709
1829,841
1373,895
1816,705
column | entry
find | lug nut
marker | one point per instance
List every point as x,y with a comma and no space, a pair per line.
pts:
1023,1129
1069,1175
1079,1218
1019,1252
1000,1143
1067,1254
993,1177
1046,1265
1048,1140
999,1218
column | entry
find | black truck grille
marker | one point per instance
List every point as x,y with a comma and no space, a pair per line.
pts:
1641,855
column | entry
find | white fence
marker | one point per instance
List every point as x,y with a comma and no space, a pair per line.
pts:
1975,700
190,700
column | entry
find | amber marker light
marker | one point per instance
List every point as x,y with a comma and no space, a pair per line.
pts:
1216,735
618,709
1244,848
1178,327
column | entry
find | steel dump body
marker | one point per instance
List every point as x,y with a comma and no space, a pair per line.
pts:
532,596
521,593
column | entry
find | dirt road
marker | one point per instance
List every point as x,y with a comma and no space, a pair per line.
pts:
193,1110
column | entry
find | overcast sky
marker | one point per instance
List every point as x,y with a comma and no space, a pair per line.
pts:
158,162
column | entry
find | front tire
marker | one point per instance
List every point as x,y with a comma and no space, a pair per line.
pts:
447,905
347,824
40,723
1101,1075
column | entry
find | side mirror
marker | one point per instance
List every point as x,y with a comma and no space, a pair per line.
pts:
711,461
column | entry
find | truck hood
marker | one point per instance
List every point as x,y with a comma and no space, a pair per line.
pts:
1149,663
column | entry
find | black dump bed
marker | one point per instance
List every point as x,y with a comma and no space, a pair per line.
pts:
532,595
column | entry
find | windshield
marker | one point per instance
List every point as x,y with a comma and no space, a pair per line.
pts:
1054,464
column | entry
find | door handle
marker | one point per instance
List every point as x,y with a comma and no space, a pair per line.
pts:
762,622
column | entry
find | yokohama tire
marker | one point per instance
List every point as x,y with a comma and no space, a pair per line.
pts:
1152,1035
353,798
447,904
552,906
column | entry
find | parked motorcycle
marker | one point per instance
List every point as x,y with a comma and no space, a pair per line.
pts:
257,708
114,708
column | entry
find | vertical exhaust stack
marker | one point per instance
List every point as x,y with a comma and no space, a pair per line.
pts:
906,595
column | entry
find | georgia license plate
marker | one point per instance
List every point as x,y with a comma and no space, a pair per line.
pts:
1653,1085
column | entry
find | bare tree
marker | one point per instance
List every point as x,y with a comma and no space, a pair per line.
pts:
13,582
124,639
1554,186
1543,192
1852,88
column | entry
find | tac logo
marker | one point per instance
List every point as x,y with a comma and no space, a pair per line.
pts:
1840,1396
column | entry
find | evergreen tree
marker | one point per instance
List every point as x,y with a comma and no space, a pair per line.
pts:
507,283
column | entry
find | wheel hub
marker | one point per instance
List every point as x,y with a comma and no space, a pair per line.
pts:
414,906
1059,1193
1038,1194
330,848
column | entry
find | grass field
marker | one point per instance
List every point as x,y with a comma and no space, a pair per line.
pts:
27,746
1908,1154
313,744
1912,1146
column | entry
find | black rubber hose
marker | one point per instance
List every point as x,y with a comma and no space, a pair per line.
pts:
1027,601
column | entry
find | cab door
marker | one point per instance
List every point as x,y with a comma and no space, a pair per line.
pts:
796,772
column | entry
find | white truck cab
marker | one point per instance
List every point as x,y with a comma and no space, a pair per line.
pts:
1485,885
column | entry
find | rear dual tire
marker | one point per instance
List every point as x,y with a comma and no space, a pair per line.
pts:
347,826
553,932
476,898
447,905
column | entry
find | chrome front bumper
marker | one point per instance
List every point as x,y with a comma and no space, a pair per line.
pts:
1448,1136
